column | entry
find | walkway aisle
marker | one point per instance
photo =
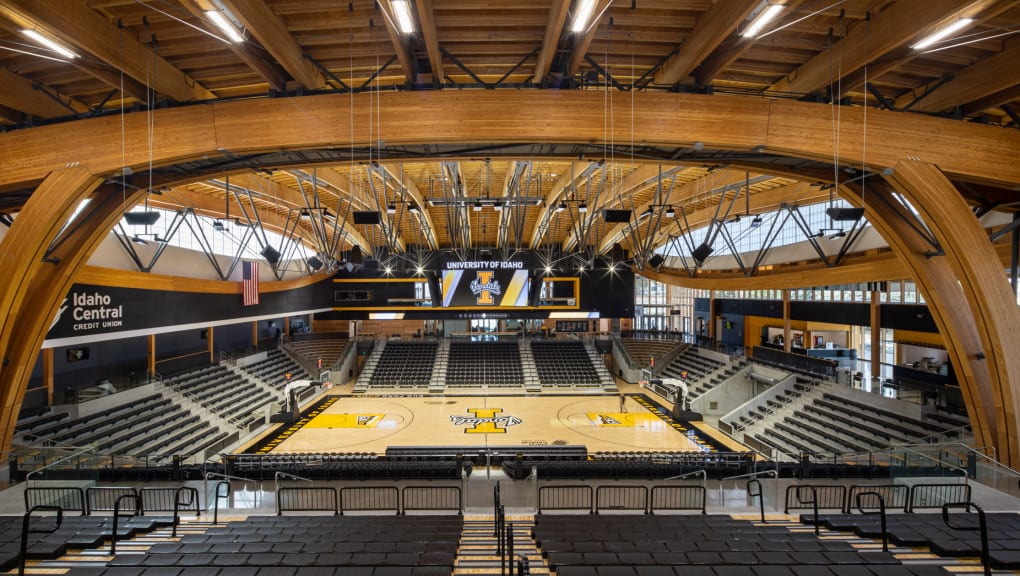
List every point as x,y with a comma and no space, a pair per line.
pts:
478,554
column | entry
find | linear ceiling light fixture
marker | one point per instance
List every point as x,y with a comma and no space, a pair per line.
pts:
765,16
48,42
943,33
225,25
402,12
582,16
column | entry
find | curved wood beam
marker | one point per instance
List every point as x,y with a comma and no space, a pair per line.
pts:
937,281
884,266
31,289
963,150
98,276
994,386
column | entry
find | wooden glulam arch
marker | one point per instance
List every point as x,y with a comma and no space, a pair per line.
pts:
802,130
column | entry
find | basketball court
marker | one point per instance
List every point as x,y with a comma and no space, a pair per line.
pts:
373,423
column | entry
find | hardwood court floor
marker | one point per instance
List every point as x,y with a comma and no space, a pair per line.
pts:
372,423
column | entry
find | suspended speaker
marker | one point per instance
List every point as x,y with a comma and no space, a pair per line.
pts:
701,253
656,260
366,217
314,263
270,254
141,218
617,216
845,214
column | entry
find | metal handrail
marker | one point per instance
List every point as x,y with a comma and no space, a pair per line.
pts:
976,451
59,460
285,475
700,472
964,473
216,475
774,472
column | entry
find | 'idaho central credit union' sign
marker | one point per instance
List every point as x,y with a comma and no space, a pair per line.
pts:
91,310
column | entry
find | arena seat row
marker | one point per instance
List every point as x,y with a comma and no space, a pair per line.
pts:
931,531
407,545
404,363
223,393
639,542
484,364
563,363
74,532
96,419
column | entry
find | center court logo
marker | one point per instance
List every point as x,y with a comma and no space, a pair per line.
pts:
485,421
484,287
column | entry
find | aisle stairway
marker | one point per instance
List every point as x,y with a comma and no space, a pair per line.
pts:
478,552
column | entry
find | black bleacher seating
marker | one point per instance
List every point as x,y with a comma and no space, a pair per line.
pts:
563,363
716,545
417,545
405,363
74,532
930,530
496,364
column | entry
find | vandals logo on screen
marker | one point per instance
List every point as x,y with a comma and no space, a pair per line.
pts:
485,287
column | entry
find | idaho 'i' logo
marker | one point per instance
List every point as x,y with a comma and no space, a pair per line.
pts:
484,287
485,421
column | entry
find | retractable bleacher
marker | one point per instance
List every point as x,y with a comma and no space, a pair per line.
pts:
405,364
492,364
563,363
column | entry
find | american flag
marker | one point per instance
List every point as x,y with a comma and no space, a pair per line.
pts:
251,283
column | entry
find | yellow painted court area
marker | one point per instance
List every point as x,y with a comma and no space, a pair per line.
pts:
372,423
346,421
627,419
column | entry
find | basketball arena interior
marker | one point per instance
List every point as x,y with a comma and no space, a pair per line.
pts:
452,287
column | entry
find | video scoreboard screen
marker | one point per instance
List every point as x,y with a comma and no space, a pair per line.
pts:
485,284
